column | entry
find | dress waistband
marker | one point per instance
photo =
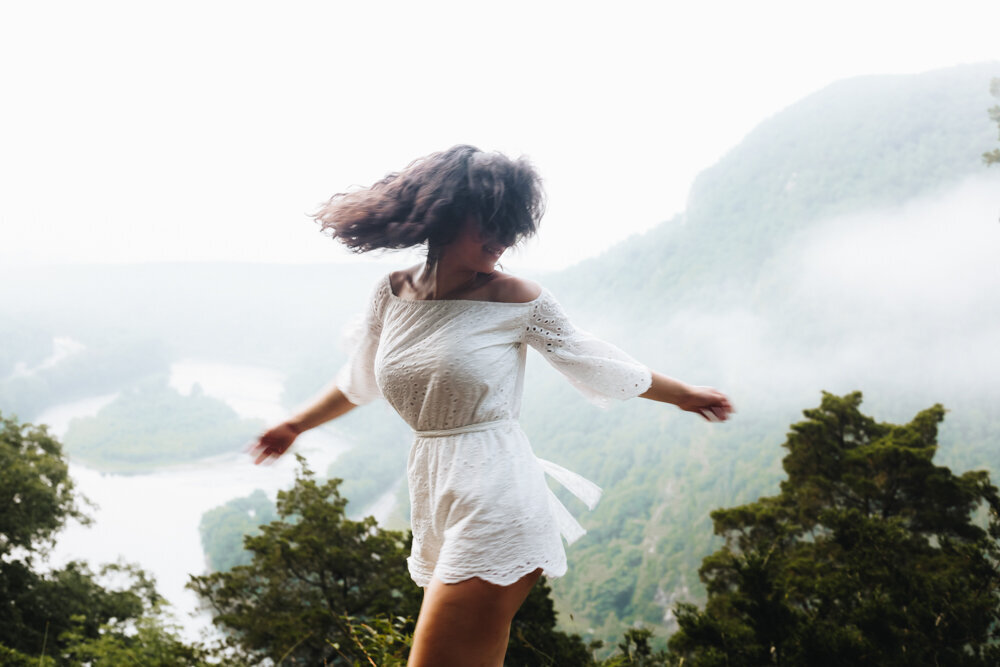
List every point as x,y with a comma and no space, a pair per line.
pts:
468,428
579,486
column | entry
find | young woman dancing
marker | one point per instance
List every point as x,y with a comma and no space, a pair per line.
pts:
445,343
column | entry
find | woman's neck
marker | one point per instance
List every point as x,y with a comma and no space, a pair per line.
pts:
440,279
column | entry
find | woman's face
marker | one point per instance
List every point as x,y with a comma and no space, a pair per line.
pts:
473,250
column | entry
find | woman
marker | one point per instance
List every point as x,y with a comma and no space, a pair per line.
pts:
445,344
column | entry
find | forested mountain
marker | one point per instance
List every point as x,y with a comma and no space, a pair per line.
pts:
839,247
858,144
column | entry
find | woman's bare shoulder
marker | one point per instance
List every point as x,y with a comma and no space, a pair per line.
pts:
511,289
401,281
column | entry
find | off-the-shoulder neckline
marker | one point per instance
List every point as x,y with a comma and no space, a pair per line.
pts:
395,297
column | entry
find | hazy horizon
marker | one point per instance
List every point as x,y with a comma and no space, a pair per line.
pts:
209,132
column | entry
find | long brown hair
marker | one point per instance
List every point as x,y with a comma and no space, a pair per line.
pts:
429,200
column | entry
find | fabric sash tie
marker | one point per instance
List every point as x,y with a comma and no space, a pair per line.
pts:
468,428
579,486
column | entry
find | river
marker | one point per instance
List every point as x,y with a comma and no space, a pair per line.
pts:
152,519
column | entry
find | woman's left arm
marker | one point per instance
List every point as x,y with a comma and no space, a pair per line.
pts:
706,401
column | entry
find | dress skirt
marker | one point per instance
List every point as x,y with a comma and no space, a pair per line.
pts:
480,507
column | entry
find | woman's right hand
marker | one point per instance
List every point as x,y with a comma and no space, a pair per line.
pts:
273,443
711,404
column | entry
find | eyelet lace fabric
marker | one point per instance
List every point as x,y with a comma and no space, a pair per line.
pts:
454,371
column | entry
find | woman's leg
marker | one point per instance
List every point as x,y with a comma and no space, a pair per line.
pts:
467,624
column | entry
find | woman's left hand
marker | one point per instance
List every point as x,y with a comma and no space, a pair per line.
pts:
710,403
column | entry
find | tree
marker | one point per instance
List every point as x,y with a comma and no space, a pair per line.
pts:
635,651
36,492
70,613
222,529
993,156
534,639
149,641
870,555
313,576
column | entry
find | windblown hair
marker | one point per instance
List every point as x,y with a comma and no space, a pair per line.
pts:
430,200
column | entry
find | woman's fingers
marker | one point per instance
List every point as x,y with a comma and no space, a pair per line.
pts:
272,444
258,451
714,414
715,406
265,455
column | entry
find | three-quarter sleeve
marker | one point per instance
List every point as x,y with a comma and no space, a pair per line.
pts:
599,370
356,378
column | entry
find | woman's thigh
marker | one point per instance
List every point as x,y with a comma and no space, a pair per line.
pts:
467,623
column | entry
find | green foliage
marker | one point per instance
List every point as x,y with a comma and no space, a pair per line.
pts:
68,615
636,649
40,607
534,639
36,491
870,555
11,658
660,470
153,425
381,641
377,459
993,156
309,569
222,529
149,641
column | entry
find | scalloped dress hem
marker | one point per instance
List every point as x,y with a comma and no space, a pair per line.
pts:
422,574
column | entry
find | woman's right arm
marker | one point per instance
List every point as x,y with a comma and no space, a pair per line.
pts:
275,442
354,385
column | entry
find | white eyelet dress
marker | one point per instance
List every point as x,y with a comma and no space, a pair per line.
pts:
454,371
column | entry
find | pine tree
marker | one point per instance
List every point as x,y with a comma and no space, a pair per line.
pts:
870,555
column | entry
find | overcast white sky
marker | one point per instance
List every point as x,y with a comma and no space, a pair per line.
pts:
140,131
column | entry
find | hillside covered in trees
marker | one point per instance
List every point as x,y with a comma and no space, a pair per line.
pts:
825,252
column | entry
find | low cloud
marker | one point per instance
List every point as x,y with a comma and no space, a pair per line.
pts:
901,302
